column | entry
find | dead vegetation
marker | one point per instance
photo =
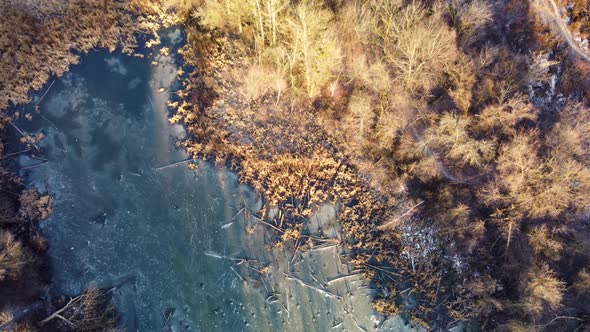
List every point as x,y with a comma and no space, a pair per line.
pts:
90,311
40,39
13,257
436,125
452,181
578,13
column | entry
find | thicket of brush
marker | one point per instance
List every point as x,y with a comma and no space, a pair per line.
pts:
450,131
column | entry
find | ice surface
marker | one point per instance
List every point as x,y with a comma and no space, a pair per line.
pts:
177,244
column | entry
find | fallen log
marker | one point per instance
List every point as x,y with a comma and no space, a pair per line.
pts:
56,314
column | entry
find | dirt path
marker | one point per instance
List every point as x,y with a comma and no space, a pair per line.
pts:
549,11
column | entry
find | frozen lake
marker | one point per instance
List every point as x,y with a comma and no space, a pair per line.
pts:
177,244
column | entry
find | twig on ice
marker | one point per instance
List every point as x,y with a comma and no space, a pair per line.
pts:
173,164
14,154
319,290
236,272
23,134
346,276
43,96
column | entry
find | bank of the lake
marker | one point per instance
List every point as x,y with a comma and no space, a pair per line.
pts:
180,247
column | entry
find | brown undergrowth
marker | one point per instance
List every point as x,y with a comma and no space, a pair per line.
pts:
578,12
283,150
23,263
280,149
41,39
421,143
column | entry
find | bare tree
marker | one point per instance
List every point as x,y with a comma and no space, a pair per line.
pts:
313,45
89,311
542,288
417,44
450,136
13,257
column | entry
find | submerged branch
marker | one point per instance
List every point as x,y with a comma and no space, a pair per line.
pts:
14,154
33,166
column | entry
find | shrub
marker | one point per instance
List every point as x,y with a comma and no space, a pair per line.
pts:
259,81
469,17
544,243
418,45
534,187
233,15
13,257
543,288
450,136
34,206
582,284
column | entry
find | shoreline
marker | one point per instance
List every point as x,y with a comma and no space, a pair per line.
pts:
296,182
299,251
30,302
362,203
382,152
